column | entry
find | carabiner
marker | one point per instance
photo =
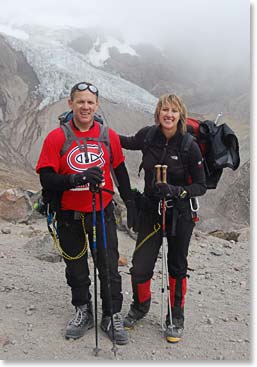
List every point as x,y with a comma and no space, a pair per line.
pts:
194,204
169,203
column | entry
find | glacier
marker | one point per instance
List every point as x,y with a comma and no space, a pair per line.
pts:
59,67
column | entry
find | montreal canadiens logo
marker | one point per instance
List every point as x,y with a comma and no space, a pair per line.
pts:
77,160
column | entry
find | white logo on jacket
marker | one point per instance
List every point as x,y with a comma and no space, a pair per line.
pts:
76,159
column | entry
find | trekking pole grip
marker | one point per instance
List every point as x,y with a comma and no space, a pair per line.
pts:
158,173
164,173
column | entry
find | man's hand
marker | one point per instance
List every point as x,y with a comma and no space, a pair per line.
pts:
93,175
132,215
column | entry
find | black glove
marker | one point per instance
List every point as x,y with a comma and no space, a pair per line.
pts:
40,206
93,175
132,215
171,191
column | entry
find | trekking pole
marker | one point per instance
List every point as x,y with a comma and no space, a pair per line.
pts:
165,245
164,173
167,281
163,179
93,189
158,173
163,211
114,348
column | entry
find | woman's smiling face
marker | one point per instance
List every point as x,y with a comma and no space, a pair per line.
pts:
169,117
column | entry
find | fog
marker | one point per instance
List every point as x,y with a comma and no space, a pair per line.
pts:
208,33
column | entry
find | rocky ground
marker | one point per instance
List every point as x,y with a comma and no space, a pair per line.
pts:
35,302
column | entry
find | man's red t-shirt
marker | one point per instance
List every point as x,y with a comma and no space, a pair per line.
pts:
73,161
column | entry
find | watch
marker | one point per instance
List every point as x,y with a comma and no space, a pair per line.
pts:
183,194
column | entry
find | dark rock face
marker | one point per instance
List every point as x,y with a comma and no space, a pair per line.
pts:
235,201
18,81
17,104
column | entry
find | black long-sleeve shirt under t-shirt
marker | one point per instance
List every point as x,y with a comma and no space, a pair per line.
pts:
50,180
161,151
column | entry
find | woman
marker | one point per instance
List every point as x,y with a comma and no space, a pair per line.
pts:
185,179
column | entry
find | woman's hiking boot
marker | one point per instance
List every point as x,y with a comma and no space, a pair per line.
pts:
120,335
174,333
82,322
175,330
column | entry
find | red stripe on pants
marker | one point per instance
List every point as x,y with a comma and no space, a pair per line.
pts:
144,292
173,283
184,289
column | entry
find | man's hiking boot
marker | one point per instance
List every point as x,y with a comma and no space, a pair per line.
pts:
173,334
82,322
120,335
132,317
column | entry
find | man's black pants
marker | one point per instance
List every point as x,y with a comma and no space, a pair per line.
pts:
72,240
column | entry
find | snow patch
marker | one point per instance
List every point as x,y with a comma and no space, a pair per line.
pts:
99,53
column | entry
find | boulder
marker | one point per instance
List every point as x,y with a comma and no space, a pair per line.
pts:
15,205
43,248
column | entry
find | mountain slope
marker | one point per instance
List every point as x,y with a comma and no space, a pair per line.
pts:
37,73
161,71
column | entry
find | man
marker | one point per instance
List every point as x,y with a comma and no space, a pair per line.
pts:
86,163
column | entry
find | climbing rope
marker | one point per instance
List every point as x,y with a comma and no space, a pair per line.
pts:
156,228
51,221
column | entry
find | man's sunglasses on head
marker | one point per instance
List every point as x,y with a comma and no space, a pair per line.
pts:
84,86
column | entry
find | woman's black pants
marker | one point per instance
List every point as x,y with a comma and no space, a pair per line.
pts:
145,256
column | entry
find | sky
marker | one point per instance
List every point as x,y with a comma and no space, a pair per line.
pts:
212,25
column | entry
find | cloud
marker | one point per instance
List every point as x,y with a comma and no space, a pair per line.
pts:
217,30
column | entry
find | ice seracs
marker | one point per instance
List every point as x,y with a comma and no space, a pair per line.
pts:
58,67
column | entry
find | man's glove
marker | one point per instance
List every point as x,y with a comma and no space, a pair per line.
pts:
93,175
132,215
171,191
